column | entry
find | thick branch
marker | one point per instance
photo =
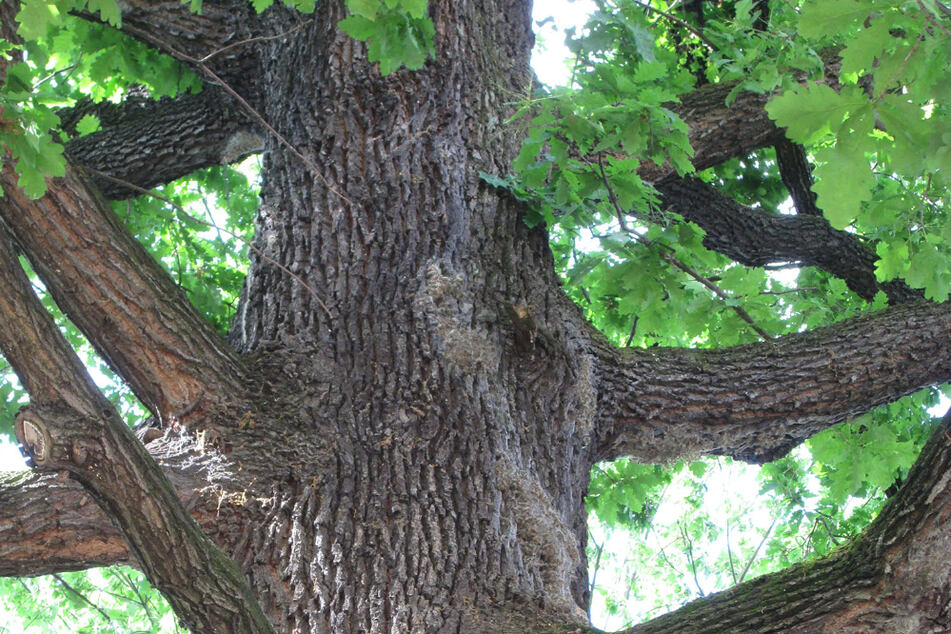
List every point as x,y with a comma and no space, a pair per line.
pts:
719,132
173,28
71,427
756,402
755,238
120,298
894,578
149,143
50,526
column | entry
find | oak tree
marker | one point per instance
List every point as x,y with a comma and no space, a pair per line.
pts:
397,432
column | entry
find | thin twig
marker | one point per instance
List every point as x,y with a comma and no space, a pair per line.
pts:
280,137
204,202
729,552
633,330
142,601
756,552
67,69
599,548
822,517
932,18
678,22
690,559
943,8
790,290
212,225
253,40
782,266
739,310
79,594
667,254
901,68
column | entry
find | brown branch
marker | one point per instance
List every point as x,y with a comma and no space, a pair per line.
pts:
674,19
53,526
718,132
892,578
167,24
756,238
71,428
150,143
120,298
796,173
756,402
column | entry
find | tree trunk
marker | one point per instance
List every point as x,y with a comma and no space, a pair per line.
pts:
435,421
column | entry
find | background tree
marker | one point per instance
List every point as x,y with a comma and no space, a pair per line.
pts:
399,433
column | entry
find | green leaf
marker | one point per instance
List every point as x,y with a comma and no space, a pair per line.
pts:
35,17
88,124
415,8
860,53
812,112
893,260
358,27
929,270
364,8
820,18
108,10
844,180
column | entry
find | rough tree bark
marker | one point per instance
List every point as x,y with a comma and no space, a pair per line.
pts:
403,442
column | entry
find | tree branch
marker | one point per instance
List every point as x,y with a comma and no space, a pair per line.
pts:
796,172
756,238
149,143
53,526
756,402
893,578
169,25
719,132
70,427
120,298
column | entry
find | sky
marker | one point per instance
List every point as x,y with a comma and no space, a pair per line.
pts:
551,59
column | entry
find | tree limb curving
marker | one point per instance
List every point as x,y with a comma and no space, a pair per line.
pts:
120,298
756,238
149,143
70,427
53,526
893,578
757,402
